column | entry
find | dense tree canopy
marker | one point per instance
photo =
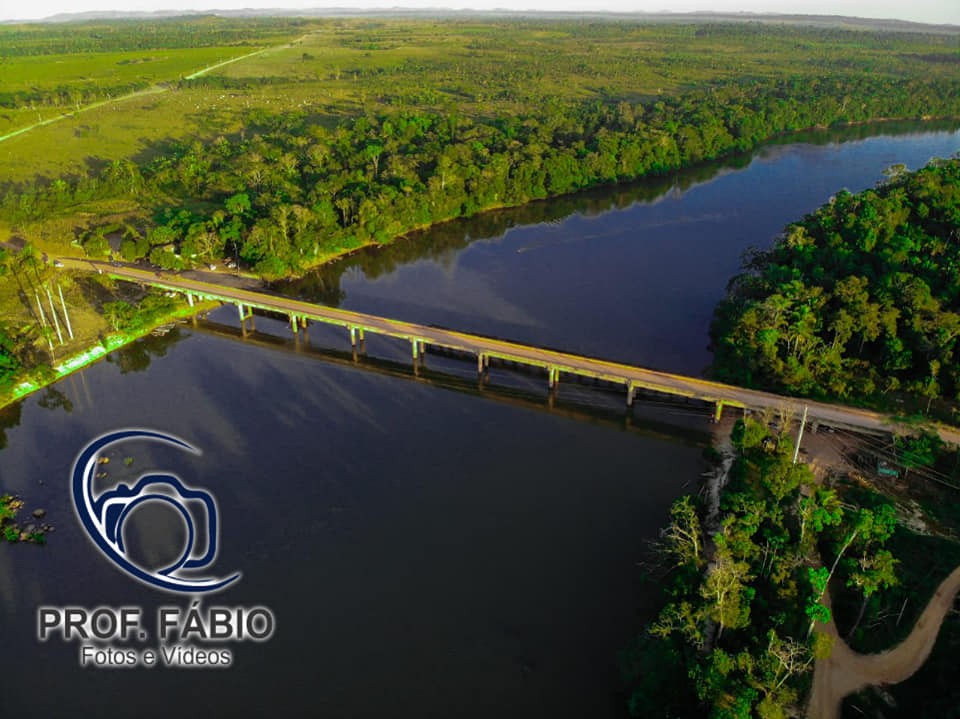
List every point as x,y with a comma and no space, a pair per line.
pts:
9,363
290,191
857,299
735,637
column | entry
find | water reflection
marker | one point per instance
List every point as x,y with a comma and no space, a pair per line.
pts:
442,241
593,402
9,418
136,356
377,516
630,273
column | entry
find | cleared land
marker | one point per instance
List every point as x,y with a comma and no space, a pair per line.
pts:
335,69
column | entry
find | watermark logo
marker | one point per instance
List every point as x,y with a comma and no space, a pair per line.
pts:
103,514
190,636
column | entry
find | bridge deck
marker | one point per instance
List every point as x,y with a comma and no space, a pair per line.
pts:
554,363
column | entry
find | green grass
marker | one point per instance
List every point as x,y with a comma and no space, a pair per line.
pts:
99,70
334,69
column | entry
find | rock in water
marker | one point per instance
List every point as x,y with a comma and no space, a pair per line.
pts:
39,513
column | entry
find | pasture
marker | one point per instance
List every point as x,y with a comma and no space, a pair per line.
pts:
336,69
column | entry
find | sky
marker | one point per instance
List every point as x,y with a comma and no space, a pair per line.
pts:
930,11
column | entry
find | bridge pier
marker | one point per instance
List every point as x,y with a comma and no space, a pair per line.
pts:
245,313
357,341
532,359
483,363
554,377
418,350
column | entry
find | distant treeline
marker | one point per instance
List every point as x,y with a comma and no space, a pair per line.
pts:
127,35
289,191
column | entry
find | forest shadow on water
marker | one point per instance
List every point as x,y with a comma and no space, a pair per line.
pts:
629,273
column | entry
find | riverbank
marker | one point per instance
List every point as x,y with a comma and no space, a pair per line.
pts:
478,224
35,379
767,542
722,160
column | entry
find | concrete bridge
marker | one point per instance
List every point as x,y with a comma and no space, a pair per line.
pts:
683,423
555,365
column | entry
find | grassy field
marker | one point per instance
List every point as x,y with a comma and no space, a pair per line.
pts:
91,79
98,70
334,69
67,73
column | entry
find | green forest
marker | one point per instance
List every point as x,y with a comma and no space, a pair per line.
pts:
745,584
289,192
745,588
858,300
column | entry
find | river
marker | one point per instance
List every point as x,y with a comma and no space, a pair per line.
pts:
428,547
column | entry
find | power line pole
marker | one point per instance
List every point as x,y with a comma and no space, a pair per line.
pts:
803,422
66,315
53,312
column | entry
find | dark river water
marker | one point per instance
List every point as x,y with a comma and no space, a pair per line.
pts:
430,547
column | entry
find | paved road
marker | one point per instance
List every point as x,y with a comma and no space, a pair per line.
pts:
641,378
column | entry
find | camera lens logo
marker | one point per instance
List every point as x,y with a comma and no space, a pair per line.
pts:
103,515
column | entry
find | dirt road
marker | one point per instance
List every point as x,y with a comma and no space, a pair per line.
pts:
846,671
161,87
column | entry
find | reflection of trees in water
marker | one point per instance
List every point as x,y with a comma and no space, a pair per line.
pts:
323,284
9,418
320,285
52,398
136,356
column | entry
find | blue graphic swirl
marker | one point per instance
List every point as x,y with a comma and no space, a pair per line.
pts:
103,515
